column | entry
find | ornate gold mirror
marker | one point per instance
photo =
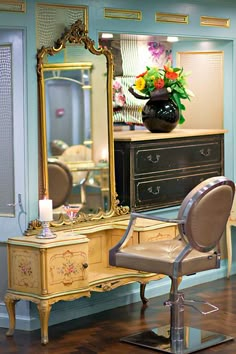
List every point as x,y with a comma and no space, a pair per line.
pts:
76,127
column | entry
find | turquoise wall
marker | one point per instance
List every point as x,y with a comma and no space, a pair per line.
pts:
97,23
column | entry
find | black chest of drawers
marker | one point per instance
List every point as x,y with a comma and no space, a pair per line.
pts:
158,170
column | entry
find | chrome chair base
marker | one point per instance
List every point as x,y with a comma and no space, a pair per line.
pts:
159,339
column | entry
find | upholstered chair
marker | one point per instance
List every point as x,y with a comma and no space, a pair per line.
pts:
60,182
231,222
201,221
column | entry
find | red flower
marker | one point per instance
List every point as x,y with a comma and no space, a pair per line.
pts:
171,75
159,83
141,75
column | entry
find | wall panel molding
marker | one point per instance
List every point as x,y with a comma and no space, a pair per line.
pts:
171,18
214,22
13,5
120,14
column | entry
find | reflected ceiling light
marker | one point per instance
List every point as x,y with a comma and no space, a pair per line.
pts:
172,39
107,35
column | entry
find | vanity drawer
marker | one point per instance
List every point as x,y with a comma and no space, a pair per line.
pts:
160,192
161,157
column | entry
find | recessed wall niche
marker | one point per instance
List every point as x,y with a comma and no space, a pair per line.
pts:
132,53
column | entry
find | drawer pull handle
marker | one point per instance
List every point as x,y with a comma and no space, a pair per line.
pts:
206,152
85,265
157,191
156,158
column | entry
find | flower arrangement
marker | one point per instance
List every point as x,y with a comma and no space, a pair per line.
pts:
168,81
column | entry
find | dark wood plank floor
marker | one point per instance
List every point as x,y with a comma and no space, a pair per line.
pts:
100,333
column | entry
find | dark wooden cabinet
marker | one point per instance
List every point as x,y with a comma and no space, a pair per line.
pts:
158,170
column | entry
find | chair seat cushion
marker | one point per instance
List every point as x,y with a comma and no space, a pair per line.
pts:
158,257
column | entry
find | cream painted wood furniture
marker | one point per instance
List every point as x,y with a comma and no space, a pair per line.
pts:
70,267
231,222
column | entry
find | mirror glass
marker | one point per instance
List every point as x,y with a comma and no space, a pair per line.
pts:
76,133
73,139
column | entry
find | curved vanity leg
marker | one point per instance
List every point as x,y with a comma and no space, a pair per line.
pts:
44,309
10,301
229,248
142,293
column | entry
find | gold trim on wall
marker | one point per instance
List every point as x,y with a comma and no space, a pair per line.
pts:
13,5
214,22
171,18
123,14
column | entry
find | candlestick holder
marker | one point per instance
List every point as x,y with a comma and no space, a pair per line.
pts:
46,232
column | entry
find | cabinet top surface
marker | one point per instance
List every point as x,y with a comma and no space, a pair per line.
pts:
63,238
141,135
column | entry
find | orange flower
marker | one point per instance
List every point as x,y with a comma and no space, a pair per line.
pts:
159,83
168,69
171,75
141,75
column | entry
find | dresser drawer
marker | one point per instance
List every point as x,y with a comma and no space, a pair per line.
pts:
177,155
156,171
154,193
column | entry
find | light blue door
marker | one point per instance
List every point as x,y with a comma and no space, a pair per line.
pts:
12,134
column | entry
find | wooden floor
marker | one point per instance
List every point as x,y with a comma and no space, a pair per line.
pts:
101,333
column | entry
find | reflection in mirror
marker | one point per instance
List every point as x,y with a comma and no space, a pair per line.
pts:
76,133
68,108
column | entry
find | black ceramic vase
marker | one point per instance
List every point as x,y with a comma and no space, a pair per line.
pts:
160,116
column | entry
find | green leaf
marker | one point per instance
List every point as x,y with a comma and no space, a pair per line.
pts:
181,119
176,99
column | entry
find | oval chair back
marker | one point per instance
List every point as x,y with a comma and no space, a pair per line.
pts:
206,210
60,182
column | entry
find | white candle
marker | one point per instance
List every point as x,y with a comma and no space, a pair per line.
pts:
45,210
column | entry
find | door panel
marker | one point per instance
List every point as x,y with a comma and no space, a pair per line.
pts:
12,160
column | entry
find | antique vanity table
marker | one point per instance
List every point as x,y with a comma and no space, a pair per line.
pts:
70,267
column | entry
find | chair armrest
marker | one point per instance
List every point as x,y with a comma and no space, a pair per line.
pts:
123,241
159,218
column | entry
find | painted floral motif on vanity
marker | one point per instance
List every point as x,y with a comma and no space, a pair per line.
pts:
25,265
67,267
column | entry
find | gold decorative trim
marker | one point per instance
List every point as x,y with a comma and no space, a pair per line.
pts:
13,5
123,14
171,18
214,22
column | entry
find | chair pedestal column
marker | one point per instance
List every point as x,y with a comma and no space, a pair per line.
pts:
176,304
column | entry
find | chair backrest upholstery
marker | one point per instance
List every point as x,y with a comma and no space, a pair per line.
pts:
59,182
76,153
206,210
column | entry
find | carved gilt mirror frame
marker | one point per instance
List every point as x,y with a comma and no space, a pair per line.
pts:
76,34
